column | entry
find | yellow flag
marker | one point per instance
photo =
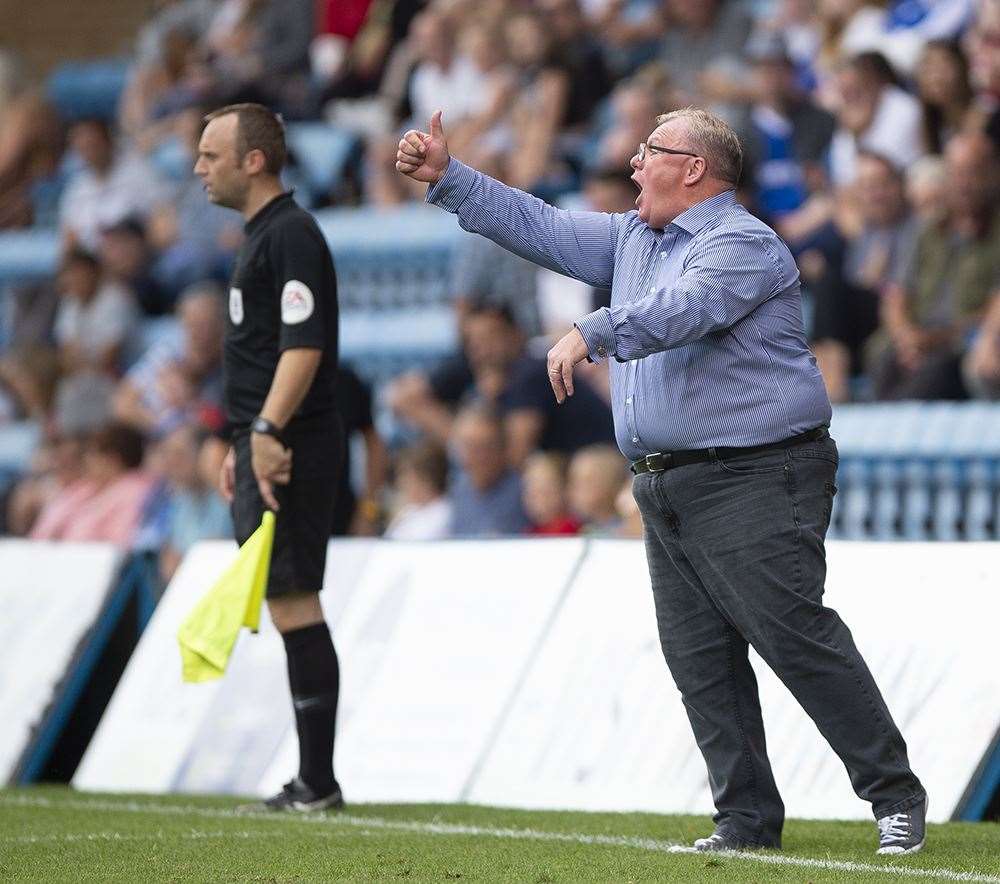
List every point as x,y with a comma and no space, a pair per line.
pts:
208,634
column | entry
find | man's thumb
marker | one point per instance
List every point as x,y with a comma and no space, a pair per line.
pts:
436,130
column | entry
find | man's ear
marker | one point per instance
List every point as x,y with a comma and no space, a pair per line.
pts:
254,162
696,171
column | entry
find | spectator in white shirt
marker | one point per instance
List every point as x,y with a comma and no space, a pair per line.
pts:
421,479
94,318
874,114
443,78
109,188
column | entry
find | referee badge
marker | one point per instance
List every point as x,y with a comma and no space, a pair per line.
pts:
297,302
236,306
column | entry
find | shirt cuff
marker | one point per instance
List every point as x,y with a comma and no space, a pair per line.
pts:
454,187
598,334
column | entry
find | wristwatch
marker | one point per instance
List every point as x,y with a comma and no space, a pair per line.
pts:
264,427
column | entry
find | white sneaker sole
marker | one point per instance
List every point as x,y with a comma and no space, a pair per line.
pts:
899,851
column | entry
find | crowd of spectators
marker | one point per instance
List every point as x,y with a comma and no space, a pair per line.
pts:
871,134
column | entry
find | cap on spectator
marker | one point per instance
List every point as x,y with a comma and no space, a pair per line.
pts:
767,47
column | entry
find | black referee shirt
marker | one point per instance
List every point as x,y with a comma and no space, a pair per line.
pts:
283,295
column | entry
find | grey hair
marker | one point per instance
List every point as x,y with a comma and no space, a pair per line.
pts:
714,138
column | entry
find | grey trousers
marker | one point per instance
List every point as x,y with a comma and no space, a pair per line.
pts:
736,558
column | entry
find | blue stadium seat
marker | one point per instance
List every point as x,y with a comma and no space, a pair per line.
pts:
405,331
918,471
88,89
27,255
18,442
321,152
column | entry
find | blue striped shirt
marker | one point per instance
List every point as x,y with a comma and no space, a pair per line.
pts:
705,323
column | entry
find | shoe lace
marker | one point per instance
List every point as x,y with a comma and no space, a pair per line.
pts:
894,827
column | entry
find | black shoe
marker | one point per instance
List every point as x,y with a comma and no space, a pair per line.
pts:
298,797
719,841
903,832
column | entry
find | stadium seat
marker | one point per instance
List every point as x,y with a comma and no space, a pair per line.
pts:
27,255
321,152
88,89
918,471
18,442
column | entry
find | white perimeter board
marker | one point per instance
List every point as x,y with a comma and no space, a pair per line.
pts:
159,734
431,649
50,595
599,724
431,639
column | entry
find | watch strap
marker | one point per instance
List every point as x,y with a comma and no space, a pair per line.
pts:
265,427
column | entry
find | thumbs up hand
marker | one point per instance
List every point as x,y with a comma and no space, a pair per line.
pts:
422,156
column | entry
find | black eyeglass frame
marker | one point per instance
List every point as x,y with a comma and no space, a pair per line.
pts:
655,148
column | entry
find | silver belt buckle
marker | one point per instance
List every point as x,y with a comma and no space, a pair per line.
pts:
652,459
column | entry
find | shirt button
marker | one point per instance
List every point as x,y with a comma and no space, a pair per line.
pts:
652,289
663,254
602,351
628,401
635,438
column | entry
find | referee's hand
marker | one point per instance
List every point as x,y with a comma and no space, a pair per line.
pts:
422,156
227,476
272,465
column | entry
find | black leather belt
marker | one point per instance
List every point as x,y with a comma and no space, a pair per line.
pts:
667,460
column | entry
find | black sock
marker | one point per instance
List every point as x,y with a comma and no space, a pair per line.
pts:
314,678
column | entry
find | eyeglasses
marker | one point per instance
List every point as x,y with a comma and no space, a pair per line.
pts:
655,148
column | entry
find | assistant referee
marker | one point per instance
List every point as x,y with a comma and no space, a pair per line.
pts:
287,443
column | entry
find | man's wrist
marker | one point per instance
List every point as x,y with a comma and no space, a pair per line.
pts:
598,334
453,187
264,427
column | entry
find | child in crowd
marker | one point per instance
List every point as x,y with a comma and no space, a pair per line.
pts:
596,474
628,511
423,512
544,495
190,463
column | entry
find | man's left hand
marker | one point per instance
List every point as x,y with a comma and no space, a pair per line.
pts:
272,465
567,352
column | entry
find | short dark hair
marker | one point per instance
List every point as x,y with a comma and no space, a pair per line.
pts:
121,441
79,255
875,66
257,128
102,126
496,309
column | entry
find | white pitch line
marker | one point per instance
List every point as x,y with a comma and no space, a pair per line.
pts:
193,835
424,828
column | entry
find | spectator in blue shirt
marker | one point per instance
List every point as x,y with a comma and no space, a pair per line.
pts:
485,493
196,511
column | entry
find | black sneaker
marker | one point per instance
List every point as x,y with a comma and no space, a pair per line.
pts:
719,841
296,796
903,832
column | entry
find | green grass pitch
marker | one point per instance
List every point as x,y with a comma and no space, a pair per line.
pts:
55,834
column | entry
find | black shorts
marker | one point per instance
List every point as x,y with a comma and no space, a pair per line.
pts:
302,526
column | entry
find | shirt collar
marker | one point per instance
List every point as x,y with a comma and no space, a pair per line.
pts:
696,217
267,210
